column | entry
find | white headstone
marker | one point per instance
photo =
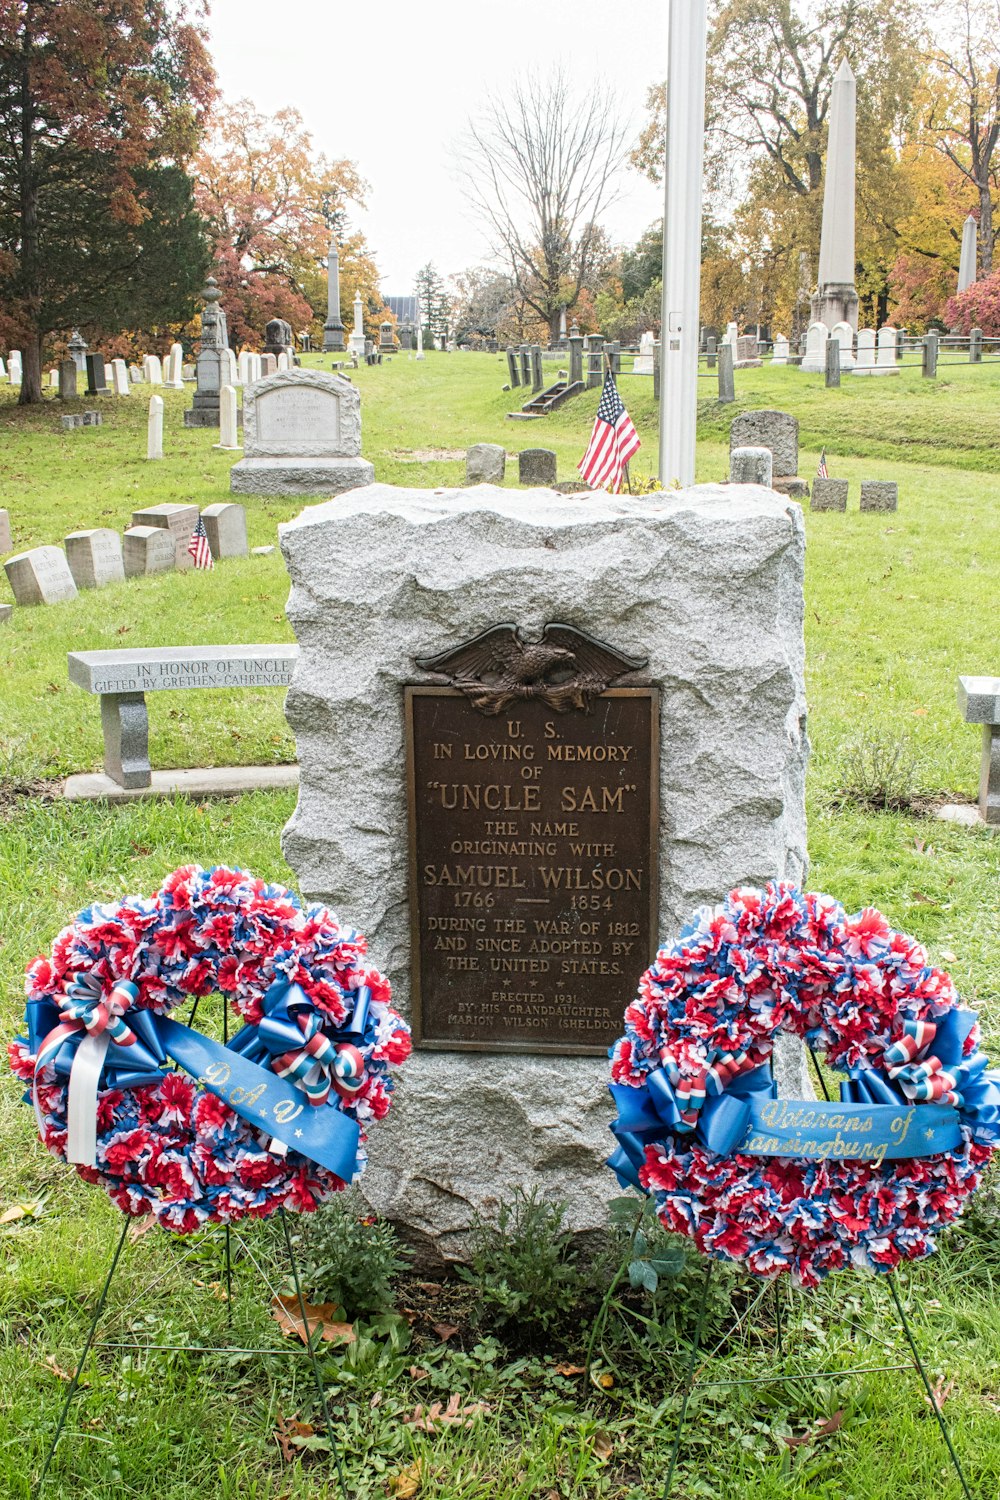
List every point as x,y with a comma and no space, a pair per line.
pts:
95,557
174,374
14,367
730,336
283,363
41,576
154,432
3,369
119,377
780,355
865,364
301,436
256,367
844,334
152,370
356,342
885,363
646,358
420,340
53,380
815,356
228,430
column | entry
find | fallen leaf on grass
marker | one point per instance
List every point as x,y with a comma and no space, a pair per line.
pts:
602,1380
406,1483
452,1415
825,1429
445,1331
603,1444
59,1372
942,1390
565,1369
285,1312
417,1373
20,1211
295,1438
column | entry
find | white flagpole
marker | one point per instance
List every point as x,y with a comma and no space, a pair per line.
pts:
682,240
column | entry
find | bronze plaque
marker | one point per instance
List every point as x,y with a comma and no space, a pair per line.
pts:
534,895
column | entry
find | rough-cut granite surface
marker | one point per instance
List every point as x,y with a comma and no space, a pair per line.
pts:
708,584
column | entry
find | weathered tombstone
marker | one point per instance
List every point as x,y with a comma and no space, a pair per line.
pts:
711,350
154,428
5,542
176,518
930,356
843,334
283,361
74,420
832,364
77,348
152,370
727,383
730,336
386,342
301,436
119,378
879,494
829,494
268,366
188,374
14,367
228,420
40,576
67,379
885,363
148,549
226,529
213,363
781,346
524,353
244,367
522,969
865,362
575,356
485,463
513,372
92,419
135,375
173,375
536,466
54,380
277,337
750,466
976,346
747,353
95,557
536,368
643,362
814,360
97,377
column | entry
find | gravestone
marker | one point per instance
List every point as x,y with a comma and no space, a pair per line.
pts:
74,420
643,362
135,375
278,338
536,466
67,379
885,362
119,378
781,346
865,362
54,380
173,375
776,430
536,368
301,436
832,364
228,420
581,865
726,379
92,419
879,494
386,342
77,348
711,351
148,549
14,367
95,557
5,542
213,365
176,518
226,529
154,428
97,378
485,463
40,576
843,334
513,370
747,353
750,466
152,370
829,494
268,366
814,359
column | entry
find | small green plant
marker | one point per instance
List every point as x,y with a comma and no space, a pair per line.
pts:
350,1257
524,1267
878,773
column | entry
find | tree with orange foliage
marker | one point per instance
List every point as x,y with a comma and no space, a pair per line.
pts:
273,203
101,103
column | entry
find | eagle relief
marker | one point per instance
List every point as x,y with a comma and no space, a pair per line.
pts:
532,780
566,669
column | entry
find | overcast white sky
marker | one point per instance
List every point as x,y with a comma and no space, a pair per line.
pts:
391,83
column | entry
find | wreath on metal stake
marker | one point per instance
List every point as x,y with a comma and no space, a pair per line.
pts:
173,1123
801,1186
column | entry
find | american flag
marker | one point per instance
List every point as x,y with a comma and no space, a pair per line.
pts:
822,472
199,548
612,443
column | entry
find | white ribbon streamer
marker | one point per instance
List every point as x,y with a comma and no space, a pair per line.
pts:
81,1111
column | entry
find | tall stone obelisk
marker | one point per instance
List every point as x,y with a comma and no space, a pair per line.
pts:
967,264
835,299
333,328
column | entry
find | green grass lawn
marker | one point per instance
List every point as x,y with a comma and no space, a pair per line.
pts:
897,607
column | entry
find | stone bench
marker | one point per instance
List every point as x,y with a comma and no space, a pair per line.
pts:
123,678
979,703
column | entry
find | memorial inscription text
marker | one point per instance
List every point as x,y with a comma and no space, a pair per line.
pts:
533,879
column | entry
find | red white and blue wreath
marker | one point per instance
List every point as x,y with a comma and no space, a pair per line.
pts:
796,1186
173,1123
